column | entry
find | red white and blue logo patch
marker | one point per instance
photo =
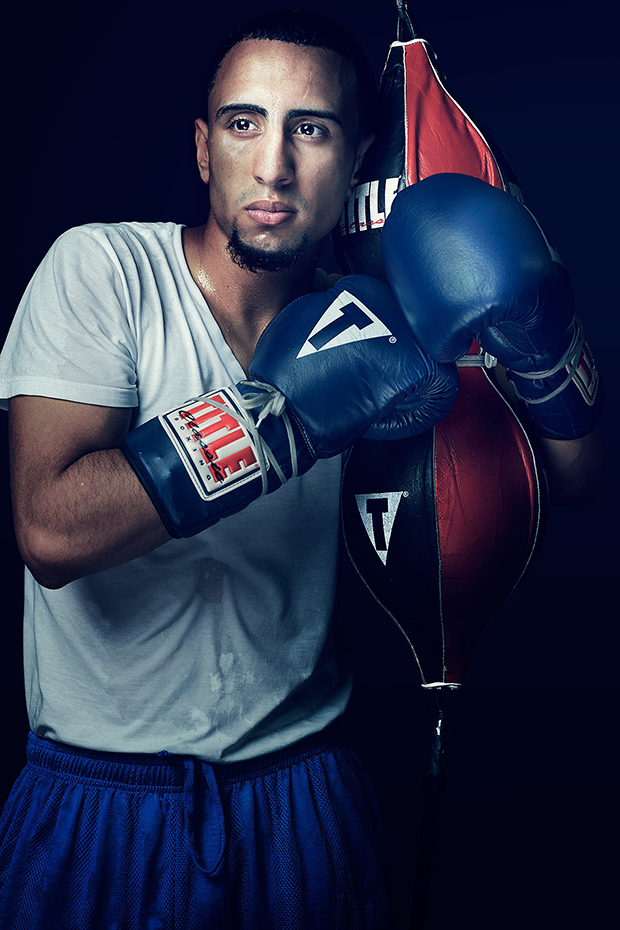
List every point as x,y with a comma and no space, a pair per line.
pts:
215,447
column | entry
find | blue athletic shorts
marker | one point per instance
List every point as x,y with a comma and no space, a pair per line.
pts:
289,841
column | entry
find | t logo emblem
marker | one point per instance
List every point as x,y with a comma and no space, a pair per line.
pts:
378,512
346,320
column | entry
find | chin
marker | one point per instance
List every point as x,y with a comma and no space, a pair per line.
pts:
256,258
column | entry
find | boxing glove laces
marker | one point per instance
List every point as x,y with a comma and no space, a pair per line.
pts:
468,261
328,369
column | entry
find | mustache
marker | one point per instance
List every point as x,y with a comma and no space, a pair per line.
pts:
293,200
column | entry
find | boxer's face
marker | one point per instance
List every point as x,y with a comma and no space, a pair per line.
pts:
281,147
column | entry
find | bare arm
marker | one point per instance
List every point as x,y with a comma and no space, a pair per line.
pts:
574,468
78,505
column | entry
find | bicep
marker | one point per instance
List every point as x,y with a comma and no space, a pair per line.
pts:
47,435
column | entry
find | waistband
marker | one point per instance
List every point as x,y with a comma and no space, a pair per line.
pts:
165,773
139,771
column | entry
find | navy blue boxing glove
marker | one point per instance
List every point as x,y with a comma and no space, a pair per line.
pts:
466,260
328,369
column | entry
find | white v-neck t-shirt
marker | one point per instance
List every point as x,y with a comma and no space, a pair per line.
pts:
220,646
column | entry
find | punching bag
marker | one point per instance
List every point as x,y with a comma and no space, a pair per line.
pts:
441,527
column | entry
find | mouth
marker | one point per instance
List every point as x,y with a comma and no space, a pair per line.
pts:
270,212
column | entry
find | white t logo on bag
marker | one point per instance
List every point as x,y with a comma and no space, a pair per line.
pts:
378,512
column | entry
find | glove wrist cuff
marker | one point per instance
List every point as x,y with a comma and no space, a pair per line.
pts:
565,401
568,362
215,454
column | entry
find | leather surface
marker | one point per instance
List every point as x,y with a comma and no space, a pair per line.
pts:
468,520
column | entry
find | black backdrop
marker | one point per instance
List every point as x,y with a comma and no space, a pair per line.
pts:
99,102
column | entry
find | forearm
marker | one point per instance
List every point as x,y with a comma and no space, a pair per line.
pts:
93,516
574,468
78,505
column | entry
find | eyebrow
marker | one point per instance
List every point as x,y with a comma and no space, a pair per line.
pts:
233,107
317,114
292,114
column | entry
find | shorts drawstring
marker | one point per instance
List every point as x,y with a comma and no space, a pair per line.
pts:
213,832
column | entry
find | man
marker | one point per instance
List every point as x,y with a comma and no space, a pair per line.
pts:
179,691
196,676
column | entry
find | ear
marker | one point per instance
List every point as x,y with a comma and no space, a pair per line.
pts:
362,147
202,150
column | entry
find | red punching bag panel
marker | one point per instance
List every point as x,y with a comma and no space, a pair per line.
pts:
440,136
442,527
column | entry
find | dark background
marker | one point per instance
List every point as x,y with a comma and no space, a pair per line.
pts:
98,109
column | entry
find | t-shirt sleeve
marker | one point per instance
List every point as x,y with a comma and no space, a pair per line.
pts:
72,336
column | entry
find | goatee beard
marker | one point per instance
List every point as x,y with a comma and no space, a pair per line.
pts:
253,259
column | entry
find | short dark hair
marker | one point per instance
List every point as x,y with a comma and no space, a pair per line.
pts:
301,27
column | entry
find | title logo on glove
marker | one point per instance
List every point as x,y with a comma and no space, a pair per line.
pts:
346,320
212,442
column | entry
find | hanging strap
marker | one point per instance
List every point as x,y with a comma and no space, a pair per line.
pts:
404,31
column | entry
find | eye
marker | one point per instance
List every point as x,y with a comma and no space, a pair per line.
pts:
241,124
309,129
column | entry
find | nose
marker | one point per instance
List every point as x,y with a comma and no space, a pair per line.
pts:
273,159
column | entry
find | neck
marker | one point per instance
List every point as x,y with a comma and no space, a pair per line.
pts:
242,302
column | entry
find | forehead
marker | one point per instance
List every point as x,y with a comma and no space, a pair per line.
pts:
276,74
